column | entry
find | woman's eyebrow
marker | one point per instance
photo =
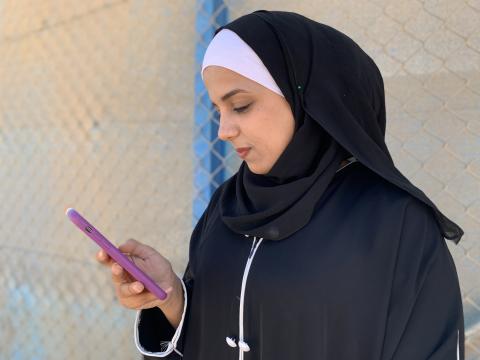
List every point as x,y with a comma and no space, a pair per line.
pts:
230,94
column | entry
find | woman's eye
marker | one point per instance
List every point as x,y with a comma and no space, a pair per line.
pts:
241,109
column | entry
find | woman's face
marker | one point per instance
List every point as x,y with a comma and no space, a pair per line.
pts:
250,116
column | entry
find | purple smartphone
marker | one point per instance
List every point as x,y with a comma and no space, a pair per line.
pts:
116,254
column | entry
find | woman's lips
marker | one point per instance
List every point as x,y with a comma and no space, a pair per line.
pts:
242,152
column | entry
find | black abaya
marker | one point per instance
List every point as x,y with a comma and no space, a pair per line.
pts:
370,277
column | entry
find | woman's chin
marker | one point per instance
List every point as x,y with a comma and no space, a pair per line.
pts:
255,169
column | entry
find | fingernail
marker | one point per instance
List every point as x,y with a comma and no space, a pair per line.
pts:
138,287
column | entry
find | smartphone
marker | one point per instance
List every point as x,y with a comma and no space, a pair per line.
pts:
115,254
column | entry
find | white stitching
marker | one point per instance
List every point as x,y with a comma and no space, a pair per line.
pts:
171,345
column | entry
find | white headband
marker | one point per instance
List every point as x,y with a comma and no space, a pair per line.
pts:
228,50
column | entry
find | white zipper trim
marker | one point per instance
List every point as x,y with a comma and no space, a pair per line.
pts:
243,346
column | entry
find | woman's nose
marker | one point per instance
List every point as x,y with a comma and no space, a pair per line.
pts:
227,130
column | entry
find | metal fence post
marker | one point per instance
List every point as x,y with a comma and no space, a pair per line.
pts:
209,152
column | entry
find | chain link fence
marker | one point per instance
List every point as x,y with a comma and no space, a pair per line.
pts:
102,109
95,114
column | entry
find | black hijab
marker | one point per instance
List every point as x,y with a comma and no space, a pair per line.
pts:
336,94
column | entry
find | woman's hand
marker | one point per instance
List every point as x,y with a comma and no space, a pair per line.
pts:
132,293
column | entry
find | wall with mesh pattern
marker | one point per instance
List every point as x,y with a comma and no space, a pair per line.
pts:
102,109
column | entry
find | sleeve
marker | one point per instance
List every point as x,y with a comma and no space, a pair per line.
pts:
425,316
154,335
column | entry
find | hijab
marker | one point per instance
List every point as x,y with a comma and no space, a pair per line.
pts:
336,94
228,50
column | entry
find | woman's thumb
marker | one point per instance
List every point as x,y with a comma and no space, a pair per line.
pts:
134,247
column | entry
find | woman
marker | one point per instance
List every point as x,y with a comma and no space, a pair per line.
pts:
318,247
